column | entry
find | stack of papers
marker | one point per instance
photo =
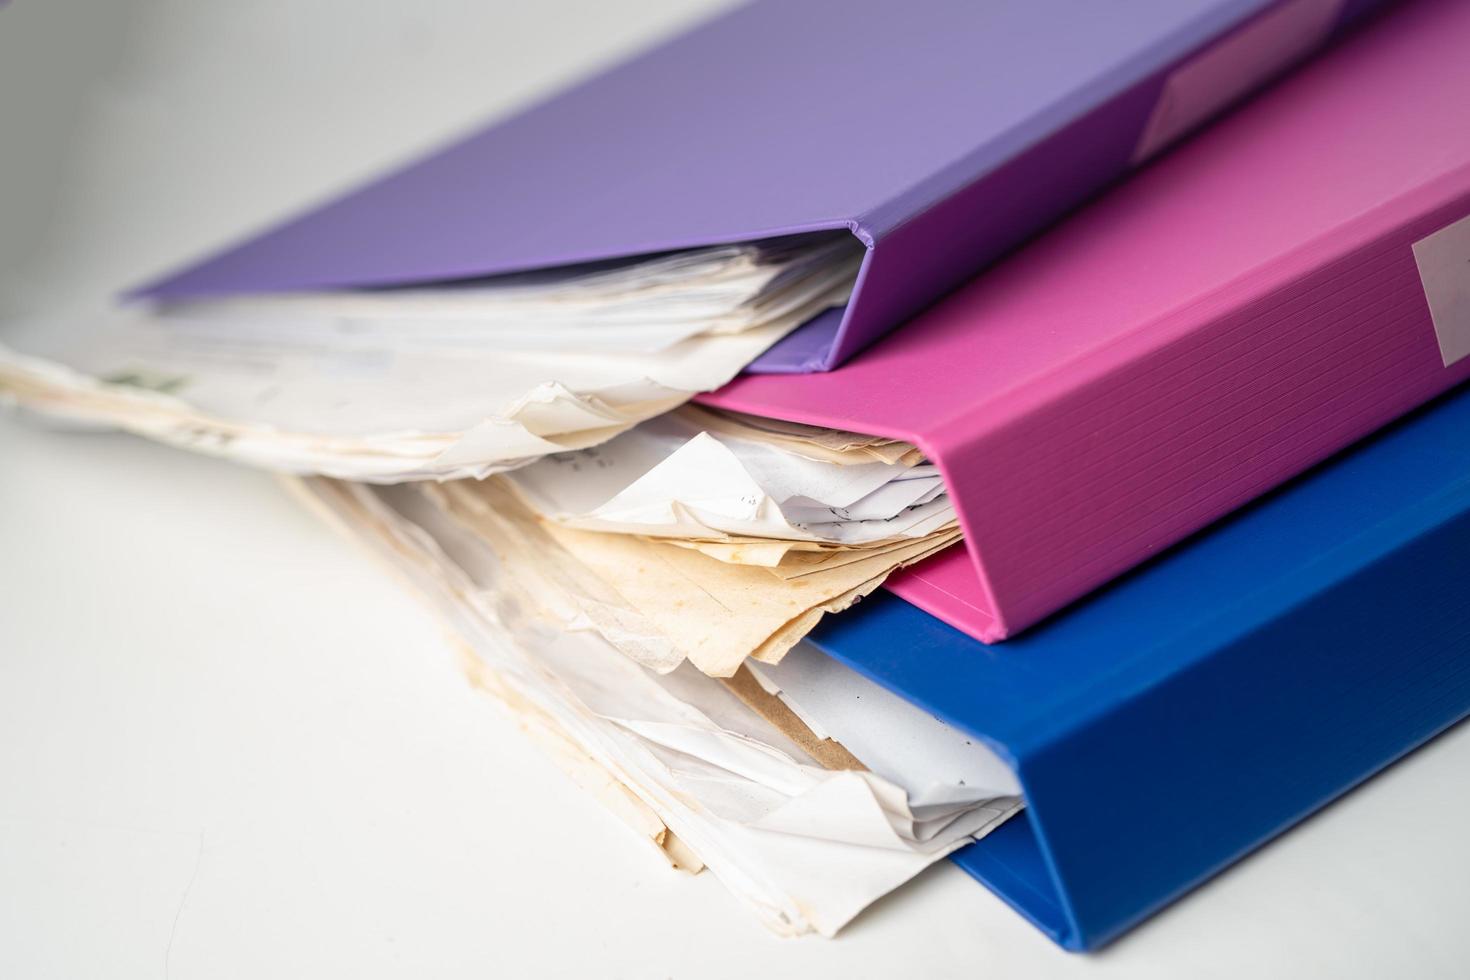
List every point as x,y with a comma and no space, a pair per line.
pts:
662,604
806,788
709,536
758,488
630,574
698,535
440,381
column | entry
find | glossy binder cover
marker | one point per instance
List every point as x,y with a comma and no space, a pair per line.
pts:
939,132
1254,301
1194,709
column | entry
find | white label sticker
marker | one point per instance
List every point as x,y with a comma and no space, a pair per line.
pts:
1224,71
1444,270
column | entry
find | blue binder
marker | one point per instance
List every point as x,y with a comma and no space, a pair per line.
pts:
1174,721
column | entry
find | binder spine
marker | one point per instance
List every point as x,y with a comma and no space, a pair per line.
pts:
920,252
1180,778
961,219
1132,448
923,244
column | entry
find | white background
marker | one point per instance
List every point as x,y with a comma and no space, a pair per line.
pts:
232,747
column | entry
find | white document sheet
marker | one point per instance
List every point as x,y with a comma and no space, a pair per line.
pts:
938,765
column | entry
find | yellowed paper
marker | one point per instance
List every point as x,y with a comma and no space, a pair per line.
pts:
806,847
713,613
809,441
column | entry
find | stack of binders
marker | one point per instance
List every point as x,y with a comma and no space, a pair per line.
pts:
1093,499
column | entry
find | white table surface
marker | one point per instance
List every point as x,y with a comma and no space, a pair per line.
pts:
230,746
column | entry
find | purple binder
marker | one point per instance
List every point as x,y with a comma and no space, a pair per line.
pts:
939,132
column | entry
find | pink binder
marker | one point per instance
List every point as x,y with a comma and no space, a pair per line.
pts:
1276,289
